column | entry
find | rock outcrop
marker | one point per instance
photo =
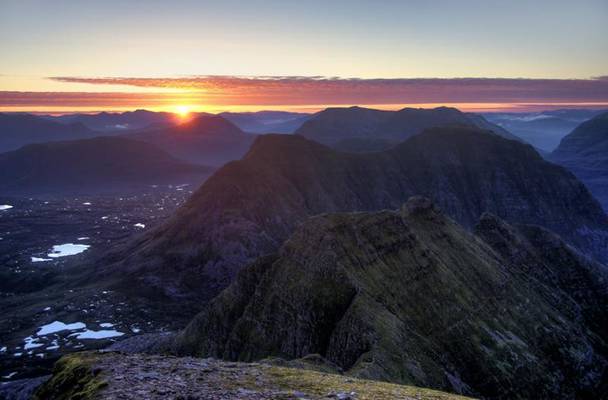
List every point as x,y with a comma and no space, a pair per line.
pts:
100,376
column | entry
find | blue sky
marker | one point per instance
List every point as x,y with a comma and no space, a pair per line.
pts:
348,39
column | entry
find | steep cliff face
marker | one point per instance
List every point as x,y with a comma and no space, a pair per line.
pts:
585,152
249,207
412,297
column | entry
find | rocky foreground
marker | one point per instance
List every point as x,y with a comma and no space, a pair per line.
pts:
113,375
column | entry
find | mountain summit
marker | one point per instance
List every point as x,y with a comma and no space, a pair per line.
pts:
249,207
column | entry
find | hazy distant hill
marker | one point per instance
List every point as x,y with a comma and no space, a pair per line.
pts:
356,127
249,207
119,122
17,130
267,121
585,152
411,297
91,165
206,140
542,129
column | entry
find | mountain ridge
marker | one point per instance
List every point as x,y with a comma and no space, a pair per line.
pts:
410,297
249,207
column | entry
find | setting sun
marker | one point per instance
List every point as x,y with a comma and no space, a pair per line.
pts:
182,111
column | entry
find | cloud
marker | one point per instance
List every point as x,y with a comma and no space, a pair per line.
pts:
332,90
228,92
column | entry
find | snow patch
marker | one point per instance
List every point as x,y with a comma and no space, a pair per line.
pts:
38,259
5,207
139,225
58,326
67,249
103,334
31,343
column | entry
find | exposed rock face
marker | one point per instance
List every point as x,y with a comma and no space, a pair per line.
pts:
207,140
357,129
585,153
411,297
249,207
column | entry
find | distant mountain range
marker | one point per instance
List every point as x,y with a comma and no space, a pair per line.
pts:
411,297
358,129
101,164
542,129
585,152
118,122
249,207
17,130
203,139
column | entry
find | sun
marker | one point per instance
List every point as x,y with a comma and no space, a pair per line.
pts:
183,111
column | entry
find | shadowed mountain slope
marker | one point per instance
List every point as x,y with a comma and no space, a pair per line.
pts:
17,130
249,207
411,297
118,122
206,139
91,165
356,128
585,153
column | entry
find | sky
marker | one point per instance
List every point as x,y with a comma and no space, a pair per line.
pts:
63,56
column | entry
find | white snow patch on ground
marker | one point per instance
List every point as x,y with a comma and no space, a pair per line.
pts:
89,334
31,343
84,238
67,249
38,259
58,326
47,309
5,207
135,330
139,225
86,203
3,349
9,376
106,325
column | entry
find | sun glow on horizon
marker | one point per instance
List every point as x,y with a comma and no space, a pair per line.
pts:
183,111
